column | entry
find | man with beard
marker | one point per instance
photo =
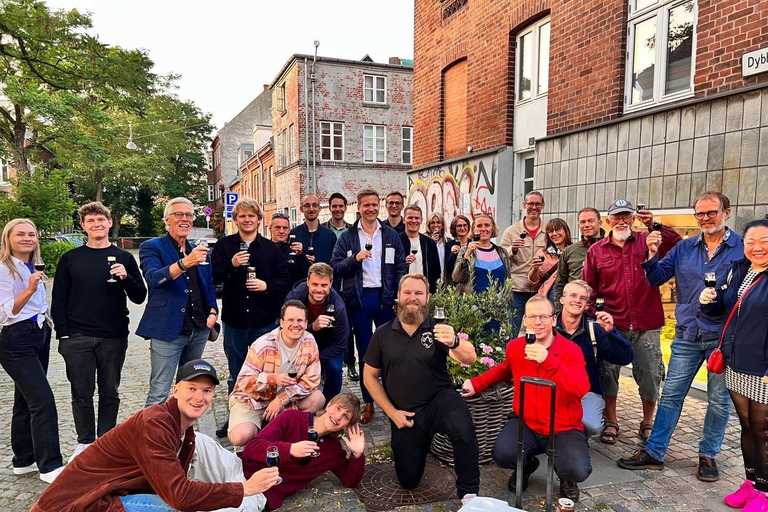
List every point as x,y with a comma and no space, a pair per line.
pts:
696,334
571,263
417,394
292,253
317,240
613,270
425,259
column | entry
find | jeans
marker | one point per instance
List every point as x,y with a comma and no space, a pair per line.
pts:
91,360
166,356
145,503
24,352
448,414
572,460
518,310
236,343
684,362
362,322
332,370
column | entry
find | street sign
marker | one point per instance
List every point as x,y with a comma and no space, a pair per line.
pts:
207,212
230,198
754,63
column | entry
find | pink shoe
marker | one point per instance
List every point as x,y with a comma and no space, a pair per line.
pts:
744,494
757,504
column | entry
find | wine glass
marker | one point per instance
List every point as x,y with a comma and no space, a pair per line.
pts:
368,246
310,251
203,243
273,459
292,371
330,310
39,266
476,237
439,315
313,436
111,260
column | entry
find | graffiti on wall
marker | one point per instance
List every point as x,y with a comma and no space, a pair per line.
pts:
467,188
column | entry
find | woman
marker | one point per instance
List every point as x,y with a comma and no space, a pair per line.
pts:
543,273
460,233
436,227
744,300
25,343
487,260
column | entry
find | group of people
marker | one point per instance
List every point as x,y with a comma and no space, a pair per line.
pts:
295,307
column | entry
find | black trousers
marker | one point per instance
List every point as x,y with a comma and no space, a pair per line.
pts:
447,414
24,352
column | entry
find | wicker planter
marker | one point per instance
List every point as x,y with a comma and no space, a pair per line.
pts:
489,413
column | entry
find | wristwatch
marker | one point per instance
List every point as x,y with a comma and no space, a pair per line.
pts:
458,342
180,263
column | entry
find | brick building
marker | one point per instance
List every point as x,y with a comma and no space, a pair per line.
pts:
256,179
361,113
589,101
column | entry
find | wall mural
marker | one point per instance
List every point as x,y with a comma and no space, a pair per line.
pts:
467,187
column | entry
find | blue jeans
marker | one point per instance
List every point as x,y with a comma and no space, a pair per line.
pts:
145,503
362,322
236,343
684,362
518,310
166,356
332,369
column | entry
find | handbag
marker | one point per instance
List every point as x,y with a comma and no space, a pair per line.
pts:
716,361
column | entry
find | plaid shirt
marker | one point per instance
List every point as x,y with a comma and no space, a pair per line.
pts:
254,386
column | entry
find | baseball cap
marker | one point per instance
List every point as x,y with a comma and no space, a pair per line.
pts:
196,368
620,206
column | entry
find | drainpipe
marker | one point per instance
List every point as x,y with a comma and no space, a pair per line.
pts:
313,78
263,192
306,116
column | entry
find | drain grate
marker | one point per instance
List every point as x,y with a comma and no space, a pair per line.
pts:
380,490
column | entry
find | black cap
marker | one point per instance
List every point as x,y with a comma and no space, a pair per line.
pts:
196,368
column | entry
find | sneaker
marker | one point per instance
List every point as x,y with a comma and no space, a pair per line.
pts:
744,493
25,470
528,469
223,430
707,469
467,498
570,490
50,476
78,450
757,504
640,460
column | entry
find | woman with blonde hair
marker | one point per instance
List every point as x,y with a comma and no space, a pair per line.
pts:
25,343
436,231
544,266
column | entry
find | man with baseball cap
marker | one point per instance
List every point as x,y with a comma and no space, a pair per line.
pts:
142,463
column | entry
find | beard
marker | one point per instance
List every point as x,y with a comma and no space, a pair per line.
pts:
410,316
711,230
622,236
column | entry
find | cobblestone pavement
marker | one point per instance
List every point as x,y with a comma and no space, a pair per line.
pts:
675,488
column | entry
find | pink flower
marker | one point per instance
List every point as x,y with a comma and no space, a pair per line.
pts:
463,336
487,349
487,361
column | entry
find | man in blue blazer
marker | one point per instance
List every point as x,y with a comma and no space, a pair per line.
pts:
181,309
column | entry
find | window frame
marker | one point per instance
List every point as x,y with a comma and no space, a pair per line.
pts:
279,149
374,149
403,138
331,125
534,29
374,89
280,98
659,9
291,142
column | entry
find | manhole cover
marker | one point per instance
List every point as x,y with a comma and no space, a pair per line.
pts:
380,489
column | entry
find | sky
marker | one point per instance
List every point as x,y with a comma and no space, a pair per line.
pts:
226,50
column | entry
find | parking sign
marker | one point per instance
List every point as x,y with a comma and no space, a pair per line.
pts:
230,198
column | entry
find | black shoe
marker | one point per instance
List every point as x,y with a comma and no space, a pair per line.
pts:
352,374
222,431
640,460
529,469
569,490
707,469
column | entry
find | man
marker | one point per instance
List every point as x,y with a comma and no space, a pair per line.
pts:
370,276
182,308
522,241
291,253
696,333
301,461
331,331
317,240
612,269
89,310
337,204
554,358
265,387
598,340
417,394
395,202
143,462
426,260
571,263
249,306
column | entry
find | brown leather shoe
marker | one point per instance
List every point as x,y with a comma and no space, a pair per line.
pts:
367,415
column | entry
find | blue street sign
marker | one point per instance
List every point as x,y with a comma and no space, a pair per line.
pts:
207,211
230,198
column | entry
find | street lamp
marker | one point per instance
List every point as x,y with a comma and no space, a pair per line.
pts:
131,145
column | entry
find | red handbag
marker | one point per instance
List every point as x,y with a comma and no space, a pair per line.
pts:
716,362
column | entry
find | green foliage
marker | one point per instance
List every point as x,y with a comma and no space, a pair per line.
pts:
668,331
51,252
472,315
43,198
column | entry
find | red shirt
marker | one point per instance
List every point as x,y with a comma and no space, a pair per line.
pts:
564,365
314,311
615,274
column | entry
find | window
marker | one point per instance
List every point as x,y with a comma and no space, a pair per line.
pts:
294,218
291,139
280,100
660,52
280,150
332,141
533,61
528,175
374,89
211,190
374,144
406,146
454,103
271,183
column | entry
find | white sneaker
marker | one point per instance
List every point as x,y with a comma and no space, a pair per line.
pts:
25,470
50,476
78,450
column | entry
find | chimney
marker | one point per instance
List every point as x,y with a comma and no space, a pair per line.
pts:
395,60
266,87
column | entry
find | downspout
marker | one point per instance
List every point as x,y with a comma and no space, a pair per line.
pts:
313,78
263,193
306,118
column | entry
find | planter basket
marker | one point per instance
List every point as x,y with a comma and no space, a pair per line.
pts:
489,412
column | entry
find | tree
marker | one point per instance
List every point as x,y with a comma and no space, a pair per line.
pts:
42,197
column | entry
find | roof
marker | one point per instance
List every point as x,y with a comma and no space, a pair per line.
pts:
407,64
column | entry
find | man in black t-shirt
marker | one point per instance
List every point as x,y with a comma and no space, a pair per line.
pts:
417,394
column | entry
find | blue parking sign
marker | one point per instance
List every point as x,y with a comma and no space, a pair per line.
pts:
230,198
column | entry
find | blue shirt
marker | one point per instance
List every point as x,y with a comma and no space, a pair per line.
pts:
687,262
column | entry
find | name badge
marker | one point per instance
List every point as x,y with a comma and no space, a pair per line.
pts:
349,253
389,256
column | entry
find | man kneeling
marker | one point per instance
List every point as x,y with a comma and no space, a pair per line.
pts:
557,359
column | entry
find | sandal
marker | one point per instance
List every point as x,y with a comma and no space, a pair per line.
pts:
645,427
609,437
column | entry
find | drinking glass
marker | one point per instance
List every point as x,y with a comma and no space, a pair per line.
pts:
273,459
203,243
291,240
111,260
439,315
330,310
313,436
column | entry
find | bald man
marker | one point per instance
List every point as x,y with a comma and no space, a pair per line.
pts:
317,241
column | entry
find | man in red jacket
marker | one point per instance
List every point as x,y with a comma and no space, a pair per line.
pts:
555,358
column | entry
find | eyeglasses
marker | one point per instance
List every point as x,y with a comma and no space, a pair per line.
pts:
538,318
182,215
394,203
580,298
279,215
626,217
534,205
711,214
313,206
